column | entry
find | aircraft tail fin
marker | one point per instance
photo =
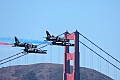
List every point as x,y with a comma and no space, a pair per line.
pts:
16,40
48,34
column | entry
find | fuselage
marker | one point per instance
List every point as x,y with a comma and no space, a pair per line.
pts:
32,50
23,45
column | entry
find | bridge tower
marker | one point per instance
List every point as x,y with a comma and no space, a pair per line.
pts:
75,75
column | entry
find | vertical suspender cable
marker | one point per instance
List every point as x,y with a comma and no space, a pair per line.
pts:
27,59
0,66
84,58
58,55
116,71
17,61
84,54
43,58
9,63
92,62
91,59
25,63
51,54
35,58
100,65
108,66
106,70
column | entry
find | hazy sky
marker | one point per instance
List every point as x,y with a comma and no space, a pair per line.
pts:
99,20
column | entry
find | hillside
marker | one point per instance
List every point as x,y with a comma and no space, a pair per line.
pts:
45,71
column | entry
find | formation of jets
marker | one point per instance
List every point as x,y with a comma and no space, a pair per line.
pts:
30,48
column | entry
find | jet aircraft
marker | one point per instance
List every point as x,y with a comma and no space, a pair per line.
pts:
19,44
34,50
53,38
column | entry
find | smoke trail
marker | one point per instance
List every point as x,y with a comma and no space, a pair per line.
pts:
11,40
4,43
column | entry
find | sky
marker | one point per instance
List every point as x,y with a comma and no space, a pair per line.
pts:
98,20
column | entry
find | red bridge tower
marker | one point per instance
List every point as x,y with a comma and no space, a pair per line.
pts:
75,75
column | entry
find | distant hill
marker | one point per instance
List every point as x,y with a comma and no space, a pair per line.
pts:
45,71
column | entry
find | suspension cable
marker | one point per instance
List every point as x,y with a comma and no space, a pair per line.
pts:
10,56
60,34
13,59
99,48
99,55
16,57
43,46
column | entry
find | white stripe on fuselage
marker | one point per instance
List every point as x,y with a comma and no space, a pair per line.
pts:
58,42
52,38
